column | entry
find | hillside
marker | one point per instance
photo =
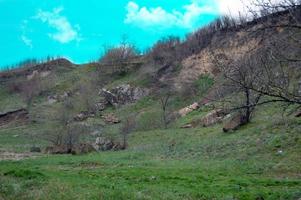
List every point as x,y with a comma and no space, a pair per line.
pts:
210,118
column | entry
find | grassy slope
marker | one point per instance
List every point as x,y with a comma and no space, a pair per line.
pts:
8,101
200,163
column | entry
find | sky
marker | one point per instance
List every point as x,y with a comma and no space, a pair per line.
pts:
79,29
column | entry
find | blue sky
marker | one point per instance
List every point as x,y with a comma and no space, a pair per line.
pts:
78,29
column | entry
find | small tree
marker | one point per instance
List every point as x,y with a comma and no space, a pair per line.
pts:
127,127
64,134
164,52
164,100
240,76
119,54
270,72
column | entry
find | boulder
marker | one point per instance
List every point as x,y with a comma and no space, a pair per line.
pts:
111,119
83,116
58,98
103,144
117,147
101,106
52,99
213,117
124,94
110,97
185,111
234,123
187,126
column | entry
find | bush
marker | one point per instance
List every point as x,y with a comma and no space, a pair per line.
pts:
118,55
164,52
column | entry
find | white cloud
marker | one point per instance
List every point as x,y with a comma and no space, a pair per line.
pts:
27,41
237,7
146,17
24,32
159,17
232,7
65,32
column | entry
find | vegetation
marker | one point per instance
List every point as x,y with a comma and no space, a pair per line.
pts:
171,164
162,153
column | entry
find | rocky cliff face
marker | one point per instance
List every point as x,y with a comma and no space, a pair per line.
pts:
228,46
124,94
234,44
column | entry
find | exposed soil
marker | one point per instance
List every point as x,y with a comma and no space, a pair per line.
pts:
5,155
20,116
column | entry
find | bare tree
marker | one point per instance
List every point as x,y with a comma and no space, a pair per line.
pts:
129,124
119,54
65,134
279,59
239,77
164,100
267,74
165,51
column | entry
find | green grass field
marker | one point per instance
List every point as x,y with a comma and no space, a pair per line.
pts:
260,161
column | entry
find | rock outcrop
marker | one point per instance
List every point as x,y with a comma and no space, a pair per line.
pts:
213,117
58,98
124,94
187,126
101,105
111,119
105,144
185,111
37,74
82,116
234,123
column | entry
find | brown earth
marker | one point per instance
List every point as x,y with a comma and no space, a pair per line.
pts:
19,116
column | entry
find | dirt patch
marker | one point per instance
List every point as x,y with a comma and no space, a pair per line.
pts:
5,155
20,116
204,63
